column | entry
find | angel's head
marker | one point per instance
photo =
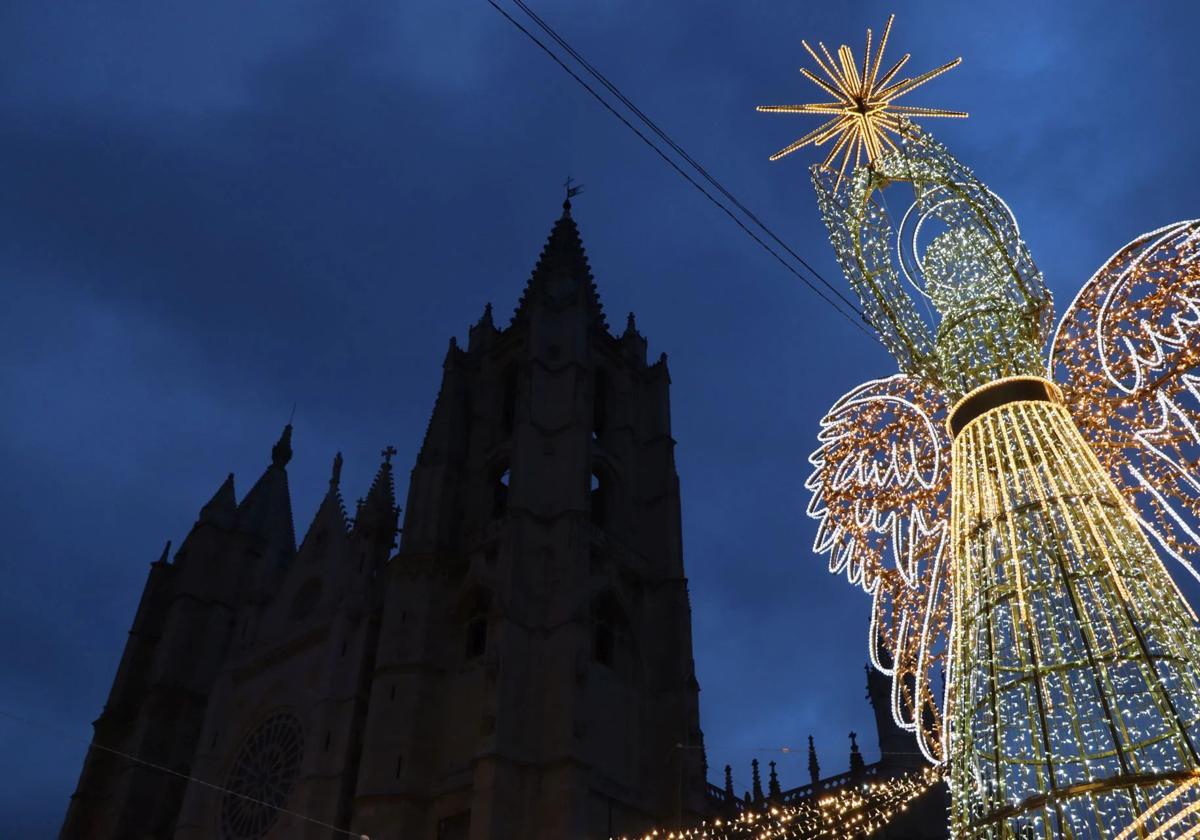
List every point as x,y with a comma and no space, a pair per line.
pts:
974,306
964,269
988,329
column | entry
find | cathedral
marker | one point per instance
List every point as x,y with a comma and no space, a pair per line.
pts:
515,663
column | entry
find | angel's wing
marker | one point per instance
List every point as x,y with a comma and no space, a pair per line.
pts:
1127,354
880,492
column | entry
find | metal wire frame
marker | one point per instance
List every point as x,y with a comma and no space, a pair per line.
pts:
1075,700
995,309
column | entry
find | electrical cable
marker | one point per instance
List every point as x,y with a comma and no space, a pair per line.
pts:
160,768
857,323
653,126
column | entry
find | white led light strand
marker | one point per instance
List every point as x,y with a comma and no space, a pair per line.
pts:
1072,704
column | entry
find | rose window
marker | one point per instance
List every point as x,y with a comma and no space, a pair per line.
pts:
262,777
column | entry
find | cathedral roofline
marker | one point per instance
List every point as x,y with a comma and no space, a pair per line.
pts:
377,514
561,269
332,511
221,509
266,512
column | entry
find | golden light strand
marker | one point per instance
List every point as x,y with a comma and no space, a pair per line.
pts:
863,108
1102,721
851,812
1017,557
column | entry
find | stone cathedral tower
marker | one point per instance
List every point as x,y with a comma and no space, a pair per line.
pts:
535,674
522,668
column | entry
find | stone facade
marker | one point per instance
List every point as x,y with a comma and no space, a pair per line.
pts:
521,668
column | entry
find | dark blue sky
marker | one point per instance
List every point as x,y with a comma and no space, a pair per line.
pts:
212,211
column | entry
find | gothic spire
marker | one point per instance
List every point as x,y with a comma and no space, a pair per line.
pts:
281,452
377,514
757,779
729,782
222,507
482,333
814,768
266,512
857,765
773,785
562,274
331,515
335,475
633,341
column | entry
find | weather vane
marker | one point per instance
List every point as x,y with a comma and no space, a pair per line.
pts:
863,108
572,188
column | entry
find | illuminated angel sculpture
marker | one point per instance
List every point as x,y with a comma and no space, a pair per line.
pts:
1001,499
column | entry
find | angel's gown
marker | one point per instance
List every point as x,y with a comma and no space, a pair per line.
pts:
1074,707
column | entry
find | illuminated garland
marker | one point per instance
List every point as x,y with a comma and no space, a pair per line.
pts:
863,109
1165,818
1133,340
1047,654
1068,630
855,811
873,504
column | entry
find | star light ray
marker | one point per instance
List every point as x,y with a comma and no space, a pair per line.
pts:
1002,524
864,99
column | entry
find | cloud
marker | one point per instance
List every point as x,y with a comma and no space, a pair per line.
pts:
212,213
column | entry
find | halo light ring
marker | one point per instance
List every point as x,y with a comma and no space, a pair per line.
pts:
902,258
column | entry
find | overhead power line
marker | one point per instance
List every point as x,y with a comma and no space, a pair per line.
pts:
859,322
150,765
615,91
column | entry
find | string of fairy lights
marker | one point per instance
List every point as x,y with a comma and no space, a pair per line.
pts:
1100,721
854,811
1038,648
1014,512
864,111
1150,826
1072,668
1031,617
880,92
882,521
864,806
1149,387
1065,626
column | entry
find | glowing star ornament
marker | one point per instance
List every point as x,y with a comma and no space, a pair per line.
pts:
1000,507
863,109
